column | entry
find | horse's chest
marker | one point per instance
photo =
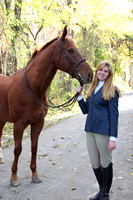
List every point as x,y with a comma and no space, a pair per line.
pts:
37,114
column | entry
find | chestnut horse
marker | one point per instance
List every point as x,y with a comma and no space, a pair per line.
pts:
18,94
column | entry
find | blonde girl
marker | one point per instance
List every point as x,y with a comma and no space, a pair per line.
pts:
101,107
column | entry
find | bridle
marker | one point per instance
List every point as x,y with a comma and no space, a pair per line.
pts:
70,102
79,76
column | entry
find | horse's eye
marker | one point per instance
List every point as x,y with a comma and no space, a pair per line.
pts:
71,51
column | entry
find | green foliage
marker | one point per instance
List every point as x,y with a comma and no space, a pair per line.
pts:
59,88
101,54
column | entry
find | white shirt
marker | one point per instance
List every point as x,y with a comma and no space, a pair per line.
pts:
100,84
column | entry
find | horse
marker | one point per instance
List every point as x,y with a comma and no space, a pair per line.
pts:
22,94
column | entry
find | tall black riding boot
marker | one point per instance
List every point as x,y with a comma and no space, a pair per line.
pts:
99,176
107,181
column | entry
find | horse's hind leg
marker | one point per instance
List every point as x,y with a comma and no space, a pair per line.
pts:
1,131
35,132
18,134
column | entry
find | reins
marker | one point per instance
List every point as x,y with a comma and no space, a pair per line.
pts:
70,102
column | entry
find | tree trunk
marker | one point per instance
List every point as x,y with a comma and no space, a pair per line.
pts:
15,28
131,75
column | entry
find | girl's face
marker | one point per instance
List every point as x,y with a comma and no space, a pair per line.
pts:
103,73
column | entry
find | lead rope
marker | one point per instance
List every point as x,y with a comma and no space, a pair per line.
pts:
70,102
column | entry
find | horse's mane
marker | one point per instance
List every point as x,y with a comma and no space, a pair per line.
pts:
38,51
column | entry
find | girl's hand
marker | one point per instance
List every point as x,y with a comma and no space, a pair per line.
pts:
111,145
79,90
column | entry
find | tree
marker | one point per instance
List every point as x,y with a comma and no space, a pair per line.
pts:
102,24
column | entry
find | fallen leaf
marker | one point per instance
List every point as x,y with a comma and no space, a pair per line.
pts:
53,163
15,190
75,169
27,176
121,172
119,188
41,156
52,159
56,146
74,188
120,177
112,191
129,160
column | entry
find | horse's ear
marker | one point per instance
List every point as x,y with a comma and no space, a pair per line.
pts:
64,33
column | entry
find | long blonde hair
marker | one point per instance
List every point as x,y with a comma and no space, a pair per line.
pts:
108,88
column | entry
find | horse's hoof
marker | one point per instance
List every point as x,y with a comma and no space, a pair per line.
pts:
1,160
36,179
14,183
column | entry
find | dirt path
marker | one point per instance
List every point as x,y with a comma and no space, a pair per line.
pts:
64,166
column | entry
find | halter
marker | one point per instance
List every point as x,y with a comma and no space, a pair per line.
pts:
79,76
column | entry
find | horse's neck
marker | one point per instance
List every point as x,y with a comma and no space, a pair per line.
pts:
41,76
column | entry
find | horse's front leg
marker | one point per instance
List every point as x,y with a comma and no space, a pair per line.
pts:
18,134
35,132
1,131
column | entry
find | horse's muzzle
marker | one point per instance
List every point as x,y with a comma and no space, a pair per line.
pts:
83,80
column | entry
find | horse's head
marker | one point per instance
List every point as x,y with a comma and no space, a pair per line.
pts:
70,60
